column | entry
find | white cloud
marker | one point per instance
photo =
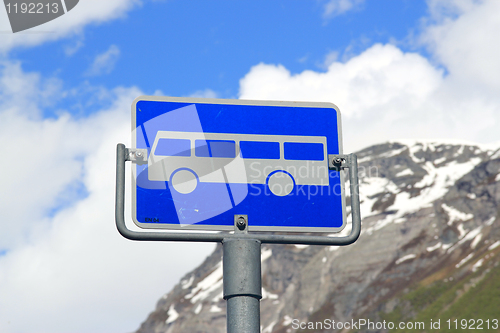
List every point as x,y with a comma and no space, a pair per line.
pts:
74,46
104,62
386,94
33,160
468,45
71,272
375,91
337,7
330,58
84,13
443,10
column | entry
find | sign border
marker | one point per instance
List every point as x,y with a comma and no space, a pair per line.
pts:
211,228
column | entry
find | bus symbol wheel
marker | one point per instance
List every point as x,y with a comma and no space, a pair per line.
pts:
184,181
280,183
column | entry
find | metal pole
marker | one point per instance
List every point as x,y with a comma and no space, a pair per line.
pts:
242,281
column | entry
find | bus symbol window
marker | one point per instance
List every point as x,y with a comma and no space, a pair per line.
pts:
304,151
260,150
173,147
215,148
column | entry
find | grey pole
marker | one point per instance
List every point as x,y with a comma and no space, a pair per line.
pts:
242,280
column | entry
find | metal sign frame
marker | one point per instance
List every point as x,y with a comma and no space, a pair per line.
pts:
336,162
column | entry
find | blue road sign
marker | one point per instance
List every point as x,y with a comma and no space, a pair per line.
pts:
206,160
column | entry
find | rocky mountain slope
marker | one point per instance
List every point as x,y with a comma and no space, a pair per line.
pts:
429,250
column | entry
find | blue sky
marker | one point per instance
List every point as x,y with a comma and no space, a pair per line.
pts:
397,69
181,47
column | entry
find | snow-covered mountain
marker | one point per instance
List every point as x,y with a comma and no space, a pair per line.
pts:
430,244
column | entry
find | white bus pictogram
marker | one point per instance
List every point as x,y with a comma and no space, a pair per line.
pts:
282,162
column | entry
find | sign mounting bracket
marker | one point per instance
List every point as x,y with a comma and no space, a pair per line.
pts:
123,154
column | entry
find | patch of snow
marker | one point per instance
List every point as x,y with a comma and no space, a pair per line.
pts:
461,230
301,246
455,215
407,257
446,246
392,153
497,178
187,283
446,175
448,143
334,248
434,247
471,196
369,188
215,308
429,146
265,254
269,328
476,241
496,155
405,172
415,149
478,264
218,297
471,235
365,159
287,320
368,231
440,160
417,145
172,315
209,284
490,221
266,294
434,185
464,260
460,151
323,260
383,222
198,308
494,245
